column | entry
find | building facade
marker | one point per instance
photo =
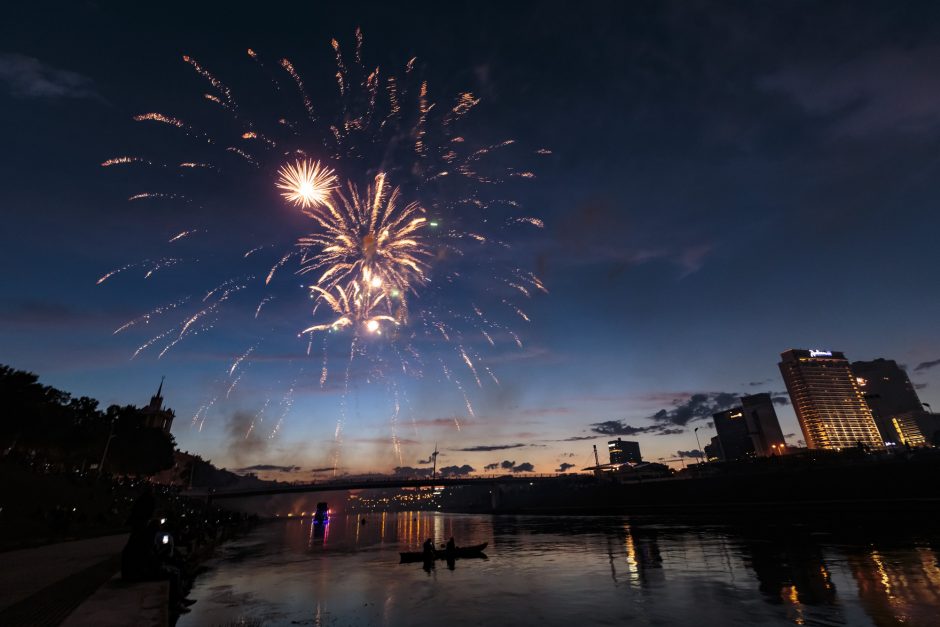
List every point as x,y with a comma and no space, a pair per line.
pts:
733,434
889,393
763,425
156,415
622,452
749,430
828,401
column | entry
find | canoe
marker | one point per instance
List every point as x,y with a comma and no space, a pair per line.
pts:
461,552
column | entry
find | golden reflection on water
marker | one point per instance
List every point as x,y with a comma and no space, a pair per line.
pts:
901,588
562,568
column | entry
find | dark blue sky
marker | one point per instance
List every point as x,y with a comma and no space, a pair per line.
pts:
727,180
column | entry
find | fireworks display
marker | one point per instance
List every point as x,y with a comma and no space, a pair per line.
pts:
406,219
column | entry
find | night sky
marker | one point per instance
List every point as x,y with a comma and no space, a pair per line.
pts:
726,181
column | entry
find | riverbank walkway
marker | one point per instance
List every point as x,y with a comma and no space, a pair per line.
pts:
76,583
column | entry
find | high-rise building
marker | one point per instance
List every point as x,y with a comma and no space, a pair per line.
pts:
733,434
749,430
828,401
622,452
763,425
889,393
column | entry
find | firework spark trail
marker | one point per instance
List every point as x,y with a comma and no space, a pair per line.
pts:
181,235
265,300
340,68
324,370
275,266
341,420
150,343
110,274
200,416
459,387
270,143
171,121
255,249
125,160
157,195
216,83
466,360
221,287
145,318
308,104
234,383
240,359
287,403
244,155
194,165
189,324
254,57
258,417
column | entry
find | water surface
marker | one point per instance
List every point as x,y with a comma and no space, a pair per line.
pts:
543,570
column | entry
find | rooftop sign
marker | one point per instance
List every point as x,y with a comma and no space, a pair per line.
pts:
819,353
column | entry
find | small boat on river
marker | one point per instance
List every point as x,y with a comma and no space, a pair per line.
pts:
460,552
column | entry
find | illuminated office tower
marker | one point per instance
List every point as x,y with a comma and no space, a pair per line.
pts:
889,393
828,402
623,452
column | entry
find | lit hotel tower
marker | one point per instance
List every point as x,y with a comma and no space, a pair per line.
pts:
827,400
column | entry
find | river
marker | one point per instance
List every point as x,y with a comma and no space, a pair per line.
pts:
545,570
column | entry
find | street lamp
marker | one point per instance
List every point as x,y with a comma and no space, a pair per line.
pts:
697,441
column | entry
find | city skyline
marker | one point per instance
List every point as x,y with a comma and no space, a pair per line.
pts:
690,224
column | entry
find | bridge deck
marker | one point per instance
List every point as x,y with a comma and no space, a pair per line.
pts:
374,484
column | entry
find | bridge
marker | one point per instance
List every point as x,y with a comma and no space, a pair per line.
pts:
374,483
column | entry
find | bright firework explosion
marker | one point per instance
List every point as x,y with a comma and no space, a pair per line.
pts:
389,263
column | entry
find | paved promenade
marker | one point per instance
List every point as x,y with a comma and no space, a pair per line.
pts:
41,586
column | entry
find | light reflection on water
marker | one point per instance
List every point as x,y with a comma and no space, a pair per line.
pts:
565,571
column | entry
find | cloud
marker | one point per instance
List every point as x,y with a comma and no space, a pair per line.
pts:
446,471
326,469
489,447
920,386
757,383
780,399
269,468
578,438
492,466
886,91
564,467
926,365
619,427
426,461
29,78
456,471
511,466
670,431
695,453
699,406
